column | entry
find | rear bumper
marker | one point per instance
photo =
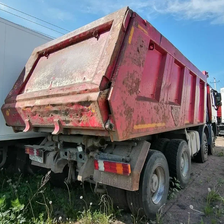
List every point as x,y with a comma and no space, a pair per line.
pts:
81,111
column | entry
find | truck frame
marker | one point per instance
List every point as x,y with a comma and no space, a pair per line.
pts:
122,106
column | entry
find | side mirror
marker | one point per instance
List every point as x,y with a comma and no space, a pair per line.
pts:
218,99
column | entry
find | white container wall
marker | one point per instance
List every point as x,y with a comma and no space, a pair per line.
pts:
16,46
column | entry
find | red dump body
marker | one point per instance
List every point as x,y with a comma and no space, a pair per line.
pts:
116,77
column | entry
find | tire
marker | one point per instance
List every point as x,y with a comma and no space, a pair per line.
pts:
202,155
153,187
179,161
211,148
160,144
119,197
3,156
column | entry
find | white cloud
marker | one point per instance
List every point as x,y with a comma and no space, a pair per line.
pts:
211,10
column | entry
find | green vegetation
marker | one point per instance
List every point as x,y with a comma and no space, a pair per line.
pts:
33,200
174,188
220,154
214,203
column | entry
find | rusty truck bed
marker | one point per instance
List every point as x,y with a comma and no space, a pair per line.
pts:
116,77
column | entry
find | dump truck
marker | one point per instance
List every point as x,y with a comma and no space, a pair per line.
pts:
123,108
17,43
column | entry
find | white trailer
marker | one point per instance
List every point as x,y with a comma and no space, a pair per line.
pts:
16,45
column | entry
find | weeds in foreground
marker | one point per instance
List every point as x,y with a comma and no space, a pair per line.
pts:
214,203
158,219
32,200
220,154
174,188
94,217
136,219
103,215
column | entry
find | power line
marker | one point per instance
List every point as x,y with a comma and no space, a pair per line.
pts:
32,21
33,16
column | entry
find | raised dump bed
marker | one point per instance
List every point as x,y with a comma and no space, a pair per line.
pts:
117,77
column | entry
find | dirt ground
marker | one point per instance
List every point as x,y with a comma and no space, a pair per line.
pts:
205,176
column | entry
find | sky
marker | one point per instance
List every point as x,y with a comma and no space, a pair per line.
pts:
195,27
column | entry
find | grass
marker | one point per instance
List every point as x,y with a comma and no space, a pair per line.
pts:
214,203
32,199
174,188
220,154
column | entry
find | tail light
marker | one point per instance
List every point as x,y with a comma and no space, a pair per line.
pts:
112,167
35,154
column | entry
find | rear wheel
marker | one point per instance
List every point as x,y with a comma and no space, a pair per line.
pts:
160,144
211,148
179,160
202,155
153,187
119,197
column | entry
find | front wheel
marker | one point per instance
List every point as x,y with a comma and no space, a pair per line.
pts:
154,187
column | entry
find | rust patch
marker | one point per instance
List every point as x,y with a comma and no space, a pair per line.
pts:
175,111
157,109
131,82
128,112
138,56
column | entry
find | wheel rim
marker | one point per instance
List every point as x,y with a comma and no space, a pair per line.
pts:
157,185
184,164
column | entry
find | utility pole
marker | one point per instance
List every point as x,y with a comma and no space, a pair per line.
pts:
215,83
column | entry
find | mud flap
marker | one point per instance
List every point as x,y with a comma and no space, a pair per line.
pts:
138,155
